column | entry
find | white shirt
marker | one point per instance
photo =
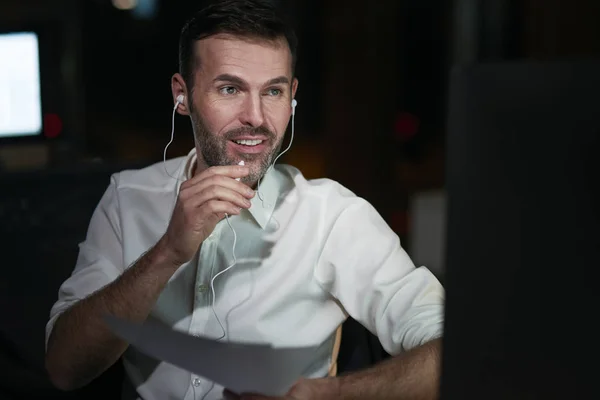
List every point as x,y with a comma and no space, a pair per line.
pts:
309,254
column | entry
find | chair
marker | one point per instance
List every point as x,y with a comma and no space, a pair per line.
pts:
37,261
360,349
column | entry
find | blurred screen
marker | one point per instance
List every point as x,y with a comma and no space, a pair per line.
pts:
20,99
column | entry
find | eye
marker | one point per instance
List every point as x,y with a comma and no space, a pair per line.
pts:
274,92
228,90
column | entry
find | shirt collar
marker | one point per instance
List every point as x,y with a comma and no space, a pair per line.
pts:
264,201
190,164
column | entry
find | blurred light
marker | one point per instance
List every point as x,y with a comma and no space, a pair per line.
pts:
406,126
20,101
146,9
53,125
125,4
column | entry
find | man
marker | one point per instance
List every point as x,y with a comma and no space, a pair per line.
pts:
307,253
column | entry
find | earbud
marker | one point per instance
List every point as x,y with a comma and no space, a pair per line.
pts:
180,100
294,104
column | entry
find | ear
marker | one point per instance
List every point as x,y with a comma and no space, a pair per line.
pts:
294,87
178,88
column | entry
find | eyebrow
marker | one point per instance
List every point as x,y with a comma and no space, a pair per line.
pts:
279,80
230,79
240,82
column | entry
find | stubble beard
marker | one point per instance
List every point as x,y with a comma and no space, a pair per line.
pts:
213,149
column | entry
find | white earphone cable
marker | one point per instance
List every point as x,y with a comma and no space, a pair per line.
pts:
179,101
171,141
212,281
258,192
235,234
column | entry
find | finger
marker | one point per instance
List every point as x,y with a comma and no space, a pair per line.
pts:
218,193
191,190
221,208
231,171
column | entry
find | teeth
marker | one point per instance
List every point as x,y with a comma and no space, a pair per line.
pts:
249,142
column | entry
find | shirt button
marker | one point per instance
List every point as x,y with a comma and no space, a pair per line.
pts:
202,288
196,382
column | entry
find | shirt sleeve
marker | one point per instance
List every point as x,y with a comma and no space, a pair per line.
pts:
364,267
100,258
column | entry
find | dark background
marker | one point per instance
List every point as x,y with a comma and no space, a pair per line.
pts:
371,114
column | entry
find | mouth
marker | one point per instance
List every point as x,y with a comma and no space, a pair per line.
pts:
250,143
248,146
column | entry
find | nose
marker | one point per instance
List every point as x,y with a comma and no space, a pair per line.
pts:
252,113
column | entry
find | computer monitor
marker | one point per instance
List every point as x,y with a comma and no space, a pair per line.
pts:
41,89
523,232
20,89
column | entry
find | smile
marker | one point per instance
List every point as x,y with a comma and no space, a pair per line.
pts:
248,142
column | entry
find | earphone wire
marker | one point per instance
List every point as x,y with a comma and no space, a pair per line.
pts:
170,141
212,281
227,216
258,192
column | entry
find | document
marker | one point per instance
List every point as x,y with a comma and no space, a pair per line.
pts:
239,367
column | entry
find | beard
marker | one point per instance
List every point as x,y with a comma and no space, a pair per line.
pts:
213,148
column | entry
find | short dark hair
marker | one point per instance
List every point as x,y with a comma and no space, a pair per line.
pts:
260,19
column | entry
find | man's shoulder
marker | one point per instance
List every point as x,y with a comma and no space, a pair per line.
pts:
323,187
327,197
156,177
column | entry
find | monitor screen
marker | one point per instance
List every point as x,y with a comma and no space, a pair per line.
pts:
522,236
20,97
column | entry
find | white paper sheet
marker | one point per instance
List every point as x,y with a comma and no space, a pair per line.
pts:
241,368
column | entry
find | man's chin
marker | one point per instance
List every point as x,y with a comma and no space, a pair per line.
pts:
249,159
256,162
250,182
252,179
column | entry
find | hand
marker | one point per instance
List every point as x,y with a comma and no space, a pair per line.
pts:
305,389
202,202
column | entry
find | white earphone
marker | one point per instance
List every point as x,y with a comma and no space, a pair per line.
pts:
260,196
180,100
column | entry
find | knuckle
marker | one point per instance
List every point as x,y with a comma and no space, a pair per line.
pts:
211,171
187,207
211,205
213,190
216,180
183,195
184,198
185,185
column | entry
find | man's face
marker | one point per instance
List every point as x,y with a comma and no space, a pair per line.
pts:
241,102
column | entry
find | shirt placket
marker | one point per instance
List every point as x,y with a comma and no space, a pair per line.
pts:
203,303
